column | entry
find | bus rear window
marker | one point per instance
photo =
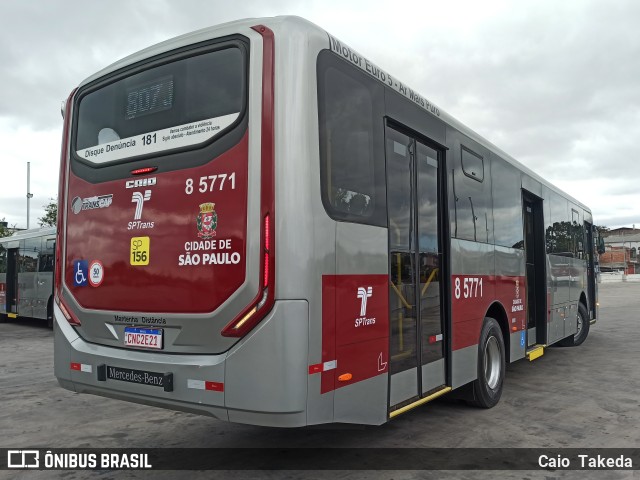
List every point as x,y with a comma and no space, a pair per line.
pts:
177,105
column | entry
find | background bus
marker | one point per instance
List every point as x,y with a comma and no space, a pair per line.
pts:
259,224
26,274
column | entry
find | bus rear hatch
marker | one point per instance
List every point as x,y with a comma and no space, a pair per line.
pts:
156,232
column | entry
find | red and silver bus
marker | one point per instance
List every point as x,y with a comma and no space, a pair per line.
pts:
259,224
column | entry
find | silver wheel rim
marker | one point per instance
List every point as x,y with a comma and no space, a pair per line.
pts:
579,326
492,363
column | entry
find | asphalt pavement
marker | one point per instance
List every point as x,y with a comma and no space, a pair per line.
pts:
581,397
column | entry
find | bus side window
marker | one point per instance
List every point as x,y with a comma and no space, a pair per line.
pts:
28,255
46,263
46,260
3,259
473,218
351,143
507,203
559,234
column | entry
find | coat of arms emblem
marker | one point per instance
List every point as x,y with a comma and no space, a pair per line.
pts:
207,221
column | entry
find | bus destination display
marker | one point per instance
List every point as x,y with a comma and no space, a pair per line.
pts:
150,97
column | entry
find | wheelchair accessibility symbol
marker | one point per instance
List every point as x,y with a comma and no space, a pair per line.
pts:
80,273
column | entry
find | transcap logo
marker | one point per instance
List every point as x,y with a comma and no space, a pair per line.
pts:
363,295
139,200
23,459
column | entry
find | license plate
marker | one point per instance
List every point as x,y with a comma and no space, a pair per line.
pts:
143,337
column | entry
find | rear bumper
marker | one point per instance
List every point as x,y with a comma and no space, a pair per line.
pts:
261,380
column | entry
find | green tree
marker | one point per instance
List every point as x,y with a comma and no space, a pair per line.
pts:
4,231
50,216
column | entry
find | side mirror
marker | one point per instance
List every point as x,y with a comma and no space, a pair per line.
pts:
601,248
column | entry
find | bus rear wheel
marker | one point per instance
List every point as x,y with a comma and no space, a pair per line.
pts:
582,331
487,388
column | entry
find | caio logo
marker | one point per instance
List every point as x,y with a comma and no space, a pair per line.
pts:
141,182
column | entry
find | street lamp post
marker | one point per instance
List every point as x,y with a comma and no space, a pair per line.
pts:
29,194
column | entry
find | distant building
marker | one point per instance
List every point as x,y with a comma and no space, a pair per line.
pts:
621,253
622,231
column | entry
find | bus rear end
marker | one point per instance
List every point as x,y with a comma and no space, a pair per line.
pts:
166,232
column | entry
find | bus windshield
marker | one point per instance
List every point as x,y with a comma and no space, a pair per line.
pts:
174,105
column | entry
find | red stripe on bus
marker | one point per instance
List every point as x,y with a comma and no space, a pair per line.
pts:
471,297
355,328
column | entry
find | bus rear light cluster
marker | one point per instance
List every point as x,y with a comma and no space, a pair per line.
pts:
266,251
245,319
265,297
248,319
72,319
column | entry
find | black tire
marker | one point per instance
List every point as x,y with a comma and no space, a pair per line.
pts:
487,388
583,329
3,318
50,313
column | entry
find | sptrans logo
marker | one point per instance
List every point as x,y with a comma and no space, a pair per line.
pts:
138,198
364,293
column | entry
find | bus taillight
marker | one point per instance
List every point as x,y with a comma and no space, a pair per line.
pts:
73,320
266,251
248,318
143,171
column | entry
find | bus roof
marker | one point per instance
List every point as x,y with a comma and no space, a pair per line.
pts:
31,233
303,24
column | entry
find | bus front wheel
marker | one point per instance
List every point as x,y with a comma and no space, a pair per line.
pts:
487,388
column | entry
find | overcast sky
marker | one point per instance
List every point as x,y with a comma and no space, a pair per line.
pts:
554,83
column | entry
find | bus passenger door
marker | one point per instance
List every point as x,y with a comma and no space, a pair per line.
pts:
12,281
44,277
535,258
591,274
417,344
